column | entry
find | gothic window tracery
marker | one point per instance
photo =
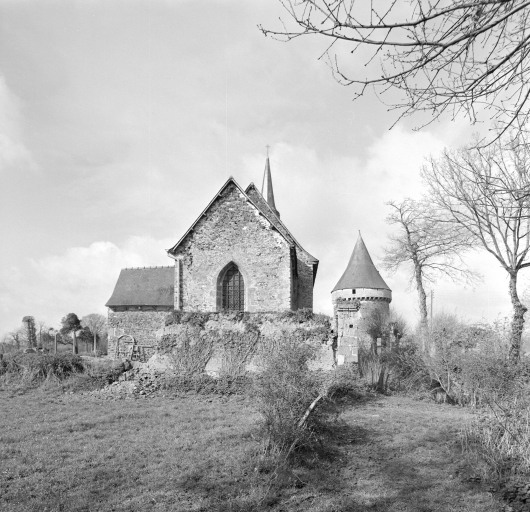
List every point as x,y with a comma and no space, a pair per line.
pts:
233,298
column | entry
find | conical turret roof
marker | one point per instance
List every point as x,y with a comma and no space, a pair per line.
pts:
361,271
266,188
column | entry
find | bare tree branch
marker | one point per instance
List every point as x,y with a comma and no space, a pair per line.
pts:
430,246
443,56
486,192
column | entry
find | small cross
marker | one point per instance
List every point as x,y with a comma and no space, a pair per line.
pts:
267,146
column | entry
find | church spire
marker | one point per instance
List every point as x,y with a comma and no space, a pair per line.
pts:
266,188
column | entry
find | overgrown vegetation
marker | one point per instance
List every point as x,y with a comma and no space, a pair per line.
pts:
285,388
68,371
192,340
36,367
298,406
467,365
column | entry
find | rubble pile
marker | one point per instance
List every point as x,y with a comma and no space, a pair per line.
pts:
140,381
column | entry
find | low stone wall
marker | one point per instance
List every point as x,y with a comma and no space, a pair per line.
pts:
216,343
231,344
142,326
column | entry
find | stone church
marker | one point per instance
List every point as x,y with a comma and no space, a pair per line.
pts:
237,256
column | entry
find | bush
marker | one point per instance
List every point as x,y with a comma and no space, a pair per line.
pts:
409,371
284,389
499,435
190,349
374,369
300,315
35,367
344,382
399,369
469,363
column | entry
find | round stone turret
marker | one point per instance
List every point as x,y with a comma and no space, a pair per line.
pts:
360,290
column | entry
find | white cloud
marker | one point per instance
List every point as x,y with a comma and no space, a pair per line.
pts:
326,201
80,280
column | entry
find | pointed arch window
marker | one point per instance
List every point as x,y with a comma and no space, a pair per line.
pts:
233,289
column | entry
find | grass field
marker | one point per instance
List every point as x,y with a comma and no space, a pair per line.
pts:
62,452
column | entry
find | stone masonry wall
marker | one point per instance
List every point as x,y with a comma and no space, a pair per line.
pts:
305,281
142,325
303,289
233,230
351,310
227,333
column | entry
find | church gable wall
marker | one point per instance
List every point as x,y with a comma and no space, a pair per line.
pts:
232,229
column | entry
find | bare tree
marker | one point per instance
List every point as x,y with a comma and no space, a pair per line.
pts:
10,341
429,247
486,191
15,338
41,329
97,324
453,56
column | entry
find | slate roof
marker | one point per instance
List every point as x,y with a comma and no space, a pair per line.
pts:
361,271
151,286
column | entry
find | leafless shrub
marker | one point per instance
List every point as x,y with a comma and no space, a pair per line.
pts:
499,435
238,350
469,362
285,388
191,350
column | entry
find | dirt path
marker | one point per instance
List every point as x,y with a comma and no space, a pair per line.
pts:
396,454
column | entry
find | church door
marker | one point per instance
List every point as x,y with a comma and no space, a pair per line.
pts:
233,290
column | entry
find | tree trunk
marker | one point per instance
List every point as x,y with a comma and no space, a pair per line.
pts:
374,346
95,343
422,300
74,343
519,310
381,381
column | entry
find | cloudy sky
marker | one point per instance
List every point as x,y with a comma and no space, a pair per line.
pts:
120,120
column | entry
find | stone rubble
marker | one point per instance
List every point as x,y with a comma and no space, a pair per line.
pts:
141,381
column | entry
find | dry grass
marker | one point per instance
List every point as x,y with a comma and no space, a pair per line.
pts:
65,452
62,453
405,455
499,435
